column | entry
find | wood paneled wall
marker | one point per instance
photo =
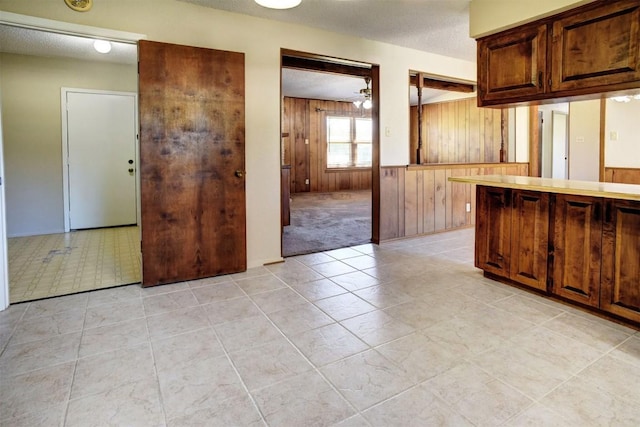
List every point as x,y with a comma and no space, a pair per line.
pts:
458,132
304,119
417,200
622,175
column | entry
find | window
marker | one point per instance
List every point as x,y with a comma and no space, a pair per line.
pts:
348,142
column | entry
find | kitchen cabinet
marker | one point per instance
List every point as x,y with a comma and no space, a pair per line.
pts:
512,233
588,50
620,293
576,248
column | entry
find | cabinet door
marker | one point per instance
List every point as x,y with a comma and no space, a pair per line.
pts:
596,47
493,230
577,240
530,237
620,292
512,65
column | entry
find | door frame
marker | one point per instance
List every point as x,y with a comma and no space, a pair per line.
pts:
49,25
315,62
65,148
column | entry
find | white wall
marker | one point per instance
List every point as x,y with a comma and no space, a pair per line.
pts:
622,134
491,16
260,40
33,133
584,140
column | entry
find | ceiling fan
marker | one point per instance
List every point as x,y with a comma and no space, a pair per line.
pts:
366,93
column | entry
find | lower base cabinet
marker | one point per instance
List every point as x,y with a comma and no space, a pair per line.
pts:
580,248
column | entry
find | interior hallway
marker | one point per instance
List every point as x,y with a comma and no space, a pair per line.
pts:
65,263
408,333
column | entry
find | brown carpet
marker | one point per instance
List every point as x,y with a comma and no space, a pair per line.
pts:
325,221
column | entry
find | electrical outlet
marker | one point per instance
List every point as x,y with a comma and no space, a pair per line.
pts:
613,135
306,181
468,207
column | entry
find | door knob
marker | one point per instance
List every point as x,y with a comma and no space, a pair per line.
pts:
240,173
130,161
130,170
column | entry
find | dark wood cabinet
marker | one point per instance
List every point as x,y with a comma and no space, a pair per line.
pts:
620,292
513,64
512,228
596,48
588,50
577,248
530,237
493,230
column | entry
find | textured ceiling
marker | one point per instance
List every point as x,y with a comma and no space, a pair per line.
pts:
437,26
26,41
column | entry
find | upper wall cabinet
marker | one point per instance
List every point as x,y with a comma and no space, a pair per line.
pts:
584,51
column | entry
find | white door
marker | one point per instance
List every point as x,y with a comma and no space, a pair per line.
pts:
101,154
559,145
4,270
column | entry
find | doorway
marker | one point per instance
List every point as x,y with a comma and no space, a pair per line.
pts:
330,143
38,246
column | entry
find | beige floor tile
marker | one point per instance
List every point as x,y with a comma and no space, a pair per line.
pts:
256,285
168,302
52,416
478,396
594,332
343,253
319,289
341,307
36,391
355,280
251,272
367,378
484,292
328,344
182,350
361,262
56,305
300,318
238,411
277,300
305,400
246,333
176,322
113,337
629,351
108,314
134,403
208,281
583,403
419,356
230,310
217,292
198,384
312,259
614,376
414,313
45,327
355,421
293,272
538,415
106,371
376,327
416,407
273,362
528,308
333,268
121,294
164,289
21,358
383,296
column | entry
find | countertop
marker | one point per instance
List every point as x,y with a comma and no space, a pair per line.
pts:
561,186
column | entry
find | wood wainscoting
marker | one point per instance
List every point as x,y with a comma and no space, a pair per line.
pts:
417,200
622,175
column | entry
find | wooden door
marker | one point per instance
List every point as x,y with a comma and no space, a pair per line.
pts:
529,238
577,248
493,230
620,293
597,47
512,65
101,158
191,162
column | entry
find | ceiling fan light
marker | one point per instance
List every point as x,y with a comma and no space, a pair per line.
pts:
102,46
357,103
367,104
278,4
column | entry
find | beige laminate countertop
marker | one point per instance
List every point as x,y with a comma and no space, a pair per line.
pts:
562,186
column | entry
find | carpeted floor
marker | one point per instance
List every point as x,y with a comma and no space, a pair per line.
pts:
325,221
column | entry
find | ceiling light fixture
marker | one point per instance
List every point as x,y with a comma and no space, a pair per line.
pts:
366,93
278,4
102,46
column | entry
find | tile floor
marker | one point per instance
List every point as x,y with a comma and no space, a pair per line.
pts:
405,334
65,263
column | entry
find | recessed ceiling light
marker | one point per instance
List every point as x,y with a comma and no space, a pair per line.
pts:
278,4
102,46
